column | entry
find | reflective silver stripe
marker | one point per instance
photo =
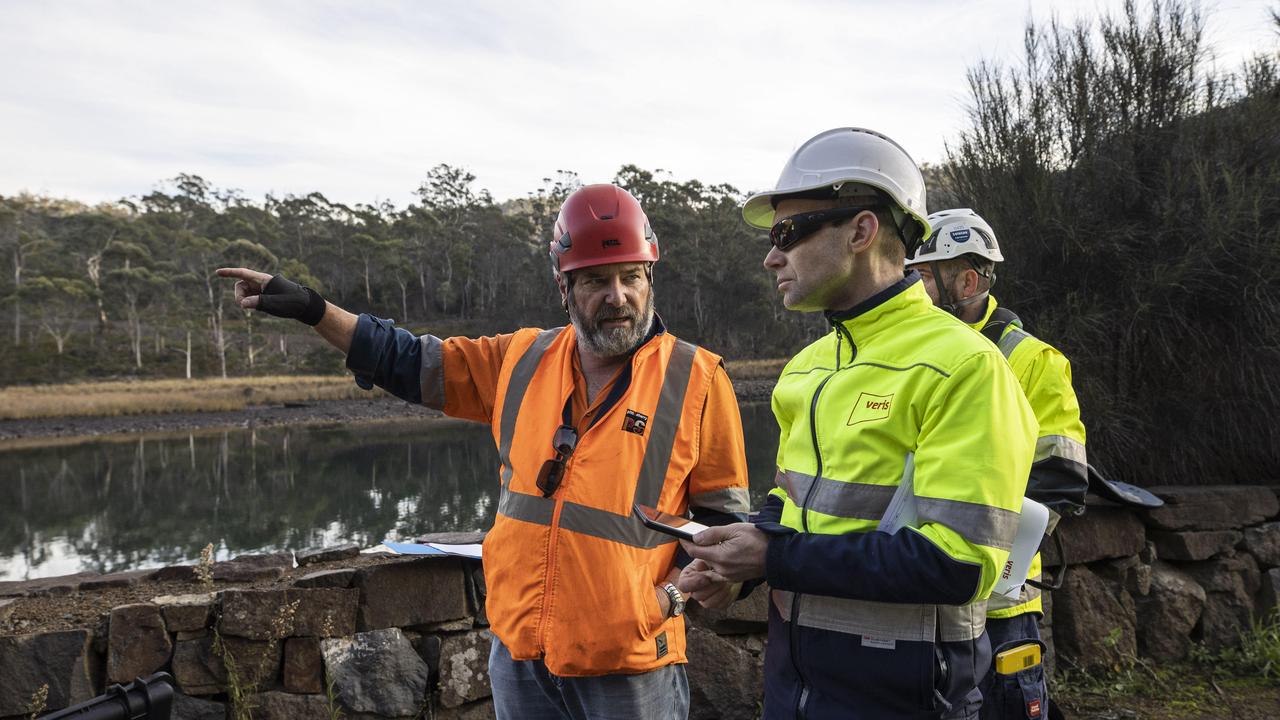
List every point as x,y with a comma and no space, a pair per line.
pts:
958,623
583,519
1060,446
662,428
529,508
625,529
834,497
1010,340
517,384
978,524
885,621
431,374
732,500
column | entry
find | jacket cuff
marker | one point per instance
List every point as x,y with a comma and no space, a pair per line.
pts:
777,572
363,356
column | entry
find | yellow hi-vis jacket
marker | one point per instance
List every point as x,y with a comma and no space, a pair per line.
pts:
899,392
1045,377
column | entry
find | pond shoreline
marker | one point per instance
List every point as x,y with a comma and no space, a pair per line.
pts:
323,412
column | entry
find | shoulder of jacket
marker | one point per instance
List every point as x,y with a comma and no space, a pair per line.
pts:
941,340
1031,350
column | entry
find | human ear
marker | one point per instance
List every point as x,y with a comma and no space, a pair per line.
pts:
863,231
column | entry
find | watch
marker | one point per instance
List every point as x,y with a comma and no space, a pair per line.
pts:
677,600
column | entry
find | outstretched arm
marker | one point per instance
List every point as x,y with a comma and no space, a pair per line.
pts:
287,299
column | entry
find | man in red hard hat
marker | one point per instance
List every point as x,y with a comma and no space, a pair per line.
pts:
589,419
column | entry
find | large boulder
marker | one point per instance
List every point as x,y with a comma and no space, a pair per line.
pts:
1263,543
329,554
252,568
725,676
266,614
303,666
1269,596
189,708
1167,615
196,669
376,672
1222,507
138,643
63,662
412,592
464,667
1094,621
1230,584
288,706
1195,544
1102,533
186,613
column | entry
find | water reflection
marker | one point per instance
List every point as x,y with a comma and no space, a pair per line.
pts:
157,500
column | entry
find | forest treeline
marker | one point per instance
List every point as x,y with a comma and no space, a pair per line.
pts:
1134,185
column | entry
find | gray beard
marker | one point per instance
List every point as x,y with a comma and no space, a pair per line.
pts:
612,342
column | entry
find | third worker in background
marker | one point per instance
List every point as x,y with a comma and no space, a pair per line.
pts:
958,263
904,453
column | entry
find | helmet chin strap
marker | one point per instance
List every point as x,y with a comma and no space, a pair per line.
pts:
944,294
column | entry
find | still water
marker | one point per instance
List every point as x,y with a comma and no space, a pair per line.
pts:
155,500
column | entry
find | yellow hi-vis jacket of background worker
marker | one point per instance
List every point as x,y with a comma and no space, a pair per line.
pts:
899,399
1060,461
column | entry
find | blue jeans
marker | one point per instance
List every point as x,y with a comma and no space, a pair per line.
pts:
526,690
1023,695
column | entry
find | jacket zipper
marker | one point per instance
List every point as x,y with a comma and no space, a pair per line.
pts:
553,538
803,696
551,572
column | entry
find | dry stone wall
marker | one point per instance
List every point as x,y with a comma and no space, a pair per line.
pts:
409,639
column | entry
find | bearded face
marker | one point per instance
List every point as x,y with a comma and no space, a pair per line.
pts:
611,308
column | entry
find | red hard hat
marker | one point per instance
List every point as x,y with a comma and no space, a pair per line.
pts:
601,224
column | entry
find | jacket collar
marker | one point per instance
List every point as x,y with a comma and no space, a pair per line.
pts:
986,316
901,300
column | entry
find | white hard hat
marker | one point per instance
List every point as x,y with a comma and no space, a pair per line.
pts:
848,161
955,233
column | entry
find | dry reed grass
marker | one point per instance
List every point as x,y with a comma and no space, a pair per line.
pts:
767,369
153,397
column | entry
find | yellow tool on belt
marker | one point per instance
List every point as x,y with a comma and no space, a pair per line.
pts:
1017,659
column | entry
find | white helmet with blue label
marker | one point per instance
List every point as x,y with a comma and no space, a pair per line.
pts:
956,233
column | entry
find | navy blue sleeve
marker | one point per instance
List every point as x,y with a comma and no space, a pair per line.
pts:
905,567
769,518
387,356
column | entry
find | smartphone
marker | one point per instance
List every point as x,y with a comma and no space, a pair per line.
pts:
674,525
1018,658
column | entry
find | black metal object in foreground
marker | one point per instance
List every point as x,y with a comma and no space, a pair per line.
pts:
149,699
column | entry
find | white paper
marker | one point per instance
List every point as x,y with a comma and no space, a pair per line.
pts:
468,551
1031,526
902,507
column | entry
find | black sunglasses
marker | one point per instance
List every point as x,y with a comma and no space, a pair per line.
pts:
786,234
552,472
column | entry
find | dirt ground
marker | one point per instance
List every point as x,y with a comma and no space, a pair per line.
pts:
1188,694
16,433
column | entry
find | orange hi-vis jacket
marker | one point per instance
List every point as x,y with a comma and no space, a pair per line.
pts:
571,579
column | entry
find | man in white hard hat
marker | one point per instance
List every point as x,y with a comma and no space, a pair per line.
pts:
958,263
904,451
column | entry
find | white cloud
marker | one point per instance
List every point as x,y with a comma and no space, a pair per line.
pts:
358,100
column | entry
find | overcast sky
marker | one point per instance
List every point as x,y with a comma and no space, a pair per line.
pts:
101,100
